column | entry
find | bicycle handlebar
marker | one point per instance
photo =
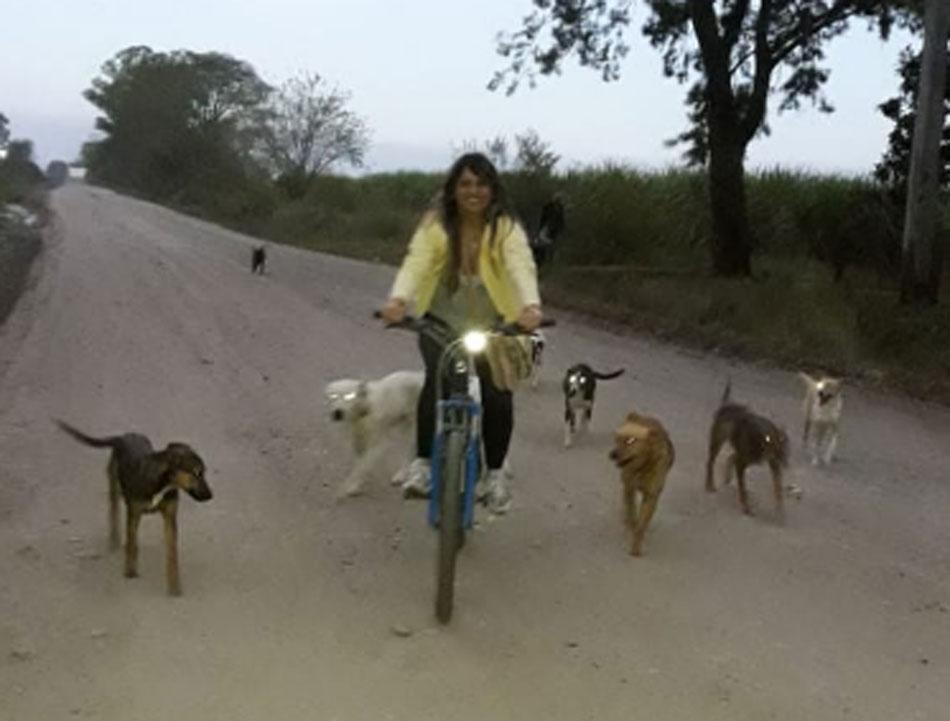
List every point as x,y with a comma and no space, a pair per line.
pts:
420,325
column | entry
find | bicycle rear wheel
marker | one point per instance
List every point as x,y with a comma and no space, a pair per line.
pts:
450,523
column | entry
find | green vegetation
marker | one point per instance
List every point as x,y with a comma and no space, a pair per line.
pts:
824,294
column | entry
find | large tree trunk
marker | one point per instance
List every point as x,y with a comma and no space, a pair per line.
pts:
922,260
731,246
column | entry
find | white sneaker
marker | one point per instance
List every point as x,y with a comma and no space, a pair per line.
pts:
497,492
418,483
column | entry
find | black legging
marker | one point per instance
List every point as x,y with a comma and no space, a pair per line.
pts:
497,408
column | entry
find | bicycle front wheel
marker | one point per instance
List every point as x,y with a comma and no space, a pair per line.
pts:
450,523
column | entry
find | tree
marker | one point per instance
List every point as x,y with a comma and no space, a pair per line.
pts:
922,266
894,166
4,131
495,149
732,48
172,121
20,152
534,155
308,130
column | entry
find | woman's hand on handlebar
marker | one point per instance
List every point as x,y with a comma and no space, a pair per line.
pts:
530,318
394,311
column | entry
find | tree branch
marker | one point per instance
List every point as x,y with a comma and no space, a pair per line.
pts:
732,23
764,63
786,43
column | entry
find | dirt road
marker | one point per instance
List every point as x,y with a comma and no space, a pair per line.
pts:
143,319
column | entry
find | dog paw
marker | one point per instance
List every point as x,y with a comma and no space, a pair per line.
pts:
349,491
174,591
793,490
400,477
131,573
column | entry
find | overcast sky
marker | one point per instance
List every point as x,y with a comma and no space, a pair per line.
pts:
417,71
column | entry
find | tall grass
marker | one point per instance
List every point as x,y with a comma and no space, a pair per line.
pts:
636,250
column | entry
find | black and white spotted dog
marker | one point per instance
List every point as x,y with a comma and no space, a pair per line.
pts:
580,386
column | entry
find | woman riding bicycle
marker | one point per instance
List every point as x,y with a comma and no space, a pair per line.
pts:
468,265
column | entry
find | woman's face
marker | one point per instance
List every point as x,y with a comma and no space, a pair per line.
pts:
472,194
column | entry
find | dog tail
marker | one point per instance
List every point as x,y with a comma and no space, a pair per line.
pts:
727,392
87,440
608,376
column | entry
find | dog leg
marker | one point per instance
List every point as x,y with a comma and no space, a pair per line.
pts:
132,518
832,445
568,427
353,485
170,516
729,469
777,491
715,444
743,493
647,509
402,475
112,473
629,508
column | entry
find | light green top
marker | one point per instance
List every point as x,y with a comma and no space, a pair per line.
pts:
469,307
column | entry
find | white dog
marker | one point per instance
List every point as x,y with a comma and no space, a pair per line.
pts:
374,411
823,404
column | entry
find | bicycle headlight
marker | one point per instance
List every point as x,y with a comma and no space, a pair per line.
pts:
475,341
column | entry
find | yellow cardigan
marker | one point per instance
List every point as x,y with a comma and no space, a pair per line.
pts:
506,267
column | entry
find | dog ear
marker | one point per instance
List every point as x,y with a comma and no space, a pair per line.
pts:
809,381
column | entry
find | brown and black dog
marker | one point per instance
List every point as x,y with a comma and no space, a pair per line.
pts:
754,440
644,454
149,481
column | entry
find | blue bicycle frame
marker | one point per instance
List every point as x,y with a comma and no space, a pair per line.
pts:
458,413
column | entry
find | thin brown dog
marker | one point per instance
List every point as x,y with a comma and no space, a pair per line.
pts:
149,481
644,454
754,440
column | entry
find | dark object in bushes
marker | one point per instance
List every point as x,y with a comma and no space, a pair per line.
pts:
550,227
867,235
57,173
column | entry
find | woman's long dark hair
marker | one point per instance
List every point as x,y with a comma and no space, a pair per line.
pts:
481,167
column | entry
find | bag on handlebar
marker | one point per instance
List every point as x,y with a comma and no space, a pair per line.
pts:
509,358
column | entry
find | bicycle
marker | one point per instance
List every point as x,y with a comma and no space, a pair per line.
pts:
456,450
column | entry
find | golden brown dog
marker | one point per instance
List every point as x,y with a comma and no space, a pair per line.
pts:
149,481
644,454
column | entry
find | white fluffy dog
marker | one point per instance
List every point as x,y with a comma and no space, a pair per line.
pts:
823,404
374,411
